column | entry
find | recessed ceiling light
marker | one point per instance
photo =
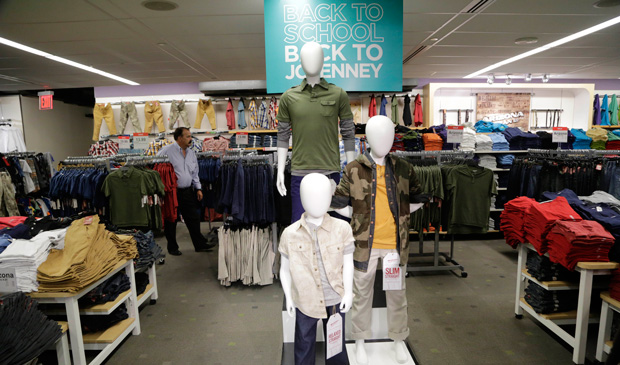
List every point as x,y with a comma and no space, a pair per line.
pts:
161,44
526,40
548,46
606,3
160,5
434,39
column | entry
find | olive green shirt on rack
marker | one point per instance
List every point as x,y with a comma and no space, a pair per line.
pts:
312,113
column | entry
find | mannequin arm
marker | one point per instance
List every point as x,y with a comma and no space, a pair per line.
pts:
285,279
345,212
282,154
347,279
350,156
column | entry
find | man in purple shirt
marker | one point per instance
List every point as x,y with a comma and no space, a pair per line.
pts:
189,192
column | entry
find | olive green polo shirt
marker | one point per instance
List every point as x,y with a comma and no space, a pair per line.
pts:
312,114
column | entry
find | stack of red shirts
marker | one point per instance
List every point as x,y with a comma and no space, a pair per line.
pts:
432,142
572,242
614,285
540,217
512,220
10,222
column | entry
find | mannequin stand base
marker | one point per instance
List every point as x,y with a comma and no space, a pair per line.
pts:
378,351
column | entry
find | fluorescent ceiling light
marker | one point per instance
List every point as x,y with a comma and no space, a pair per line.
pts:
559,42
64,60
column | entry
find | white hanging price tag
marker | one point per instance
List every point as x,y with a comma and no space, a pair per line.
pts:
140,141
334,336
455,134
560,135
124,142
392,275
242,138
8,280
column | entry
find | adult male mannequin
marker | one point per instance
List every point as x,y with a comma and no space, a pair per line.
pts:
185,164
312,110
380,187
316,249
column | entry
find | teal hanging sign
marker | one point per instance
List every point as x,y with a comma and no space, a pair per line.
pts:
362,42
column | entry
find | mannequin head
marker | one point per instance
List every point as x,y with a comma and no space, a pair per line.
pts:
315,191
311,59
380,135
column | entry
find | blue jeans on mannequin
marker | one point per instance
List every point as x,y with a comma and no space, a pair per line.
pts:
305,338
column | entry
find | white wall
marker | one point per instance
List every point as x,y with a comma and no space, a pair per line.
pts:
10,108
63,131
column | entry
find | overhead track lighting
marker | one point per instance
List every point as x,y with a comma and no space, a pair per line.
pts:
508,80
64,60
545,78
559,42
528,77
490,79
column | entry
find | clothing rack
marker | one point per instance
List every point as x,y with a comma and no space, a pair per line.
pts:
139,160
557,153
150,101
448,264
456,110
81,160
19,154
552,117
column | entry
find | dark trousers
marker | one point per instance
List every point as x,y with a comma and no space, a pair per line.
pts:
190,210
305,338
297,207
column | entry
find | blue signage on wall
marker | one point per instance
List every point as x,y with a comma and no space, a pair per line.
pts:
362,42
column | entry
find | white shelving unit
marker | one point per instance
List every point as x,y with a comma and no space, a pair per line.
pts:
580,317
104,341
604,342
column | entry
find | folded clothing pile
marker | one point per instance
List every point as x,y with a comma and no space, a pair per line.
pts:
26,332
546,139
599,138
540,217
101,323
499,142
519,140
25,256
583,241
613,141
614,285
488,161
484,142
411,141
469,140
582,141
542,269
90,253
505,161
488,127
550,301
432,142
512,219
107,291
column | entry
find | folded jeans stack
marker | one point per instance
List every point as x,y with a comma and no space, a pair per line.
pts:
542,269
499,142
550,301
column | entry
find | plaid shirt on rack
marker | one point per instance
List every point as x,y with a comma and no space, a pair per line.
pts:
273,111
253,116
103,148
263,122
156,145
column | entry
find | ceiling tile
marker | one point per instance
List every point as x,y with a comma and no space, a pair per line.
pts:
532,25
424,22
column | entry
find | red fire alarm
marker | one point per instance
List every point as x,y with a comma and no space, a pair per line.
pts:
46,100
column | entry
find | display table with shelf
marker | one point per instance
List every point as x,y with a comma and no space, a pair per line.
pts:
604,342
105,341
580,318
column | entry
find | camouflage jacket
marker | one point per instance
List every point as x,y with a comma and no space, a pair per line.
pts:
358,184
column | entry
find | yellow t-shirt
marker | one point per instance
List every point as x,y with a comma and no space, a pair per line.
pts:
385,227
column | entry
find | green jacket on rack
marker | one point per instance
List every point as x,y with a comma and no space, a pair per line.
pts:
359,184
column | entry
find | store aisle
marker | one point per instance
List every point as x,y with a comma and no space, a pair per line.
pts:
452,320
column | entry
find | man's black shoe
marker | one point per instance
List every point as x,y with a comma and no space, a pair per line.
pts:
175,253
207,247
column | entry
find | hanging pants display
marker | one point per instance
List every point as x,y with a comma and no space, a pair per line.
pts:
205,107
8,205
152,112
188,207
100,112
177,108
128,111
